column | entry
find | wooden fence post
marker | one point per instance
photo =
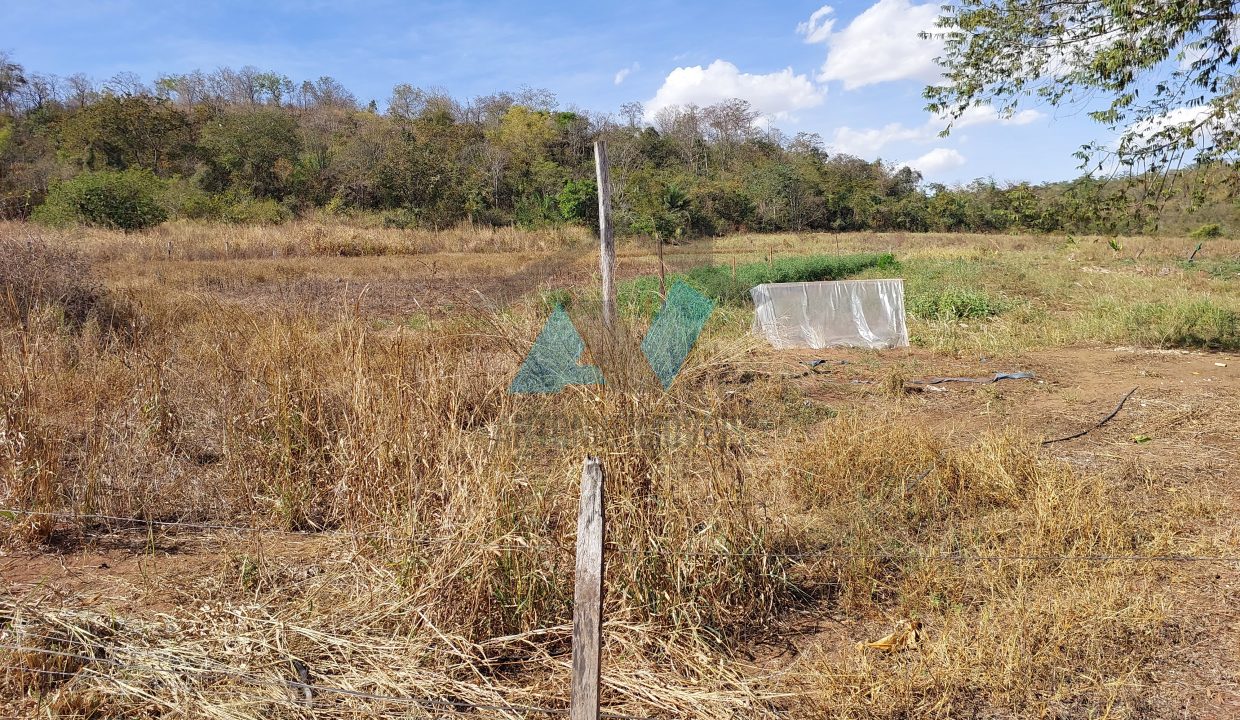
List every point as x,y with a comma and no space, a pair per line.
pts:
588,595
607,241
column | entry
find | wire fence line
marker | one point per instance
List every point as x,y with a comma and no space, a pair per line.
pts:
139,523
254,680
956,557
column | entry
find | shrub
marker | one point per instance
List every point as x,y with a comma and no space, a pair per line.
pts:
248,211
578,202
719,282
34,274
184,199
400,219
1207,232
127,200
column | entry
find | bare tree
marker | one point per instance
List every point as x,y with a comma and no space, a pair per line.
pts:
488,110
537,98
40,90
683,126
729,123
80,91
186,90
126,84
633,112
327,92
12,80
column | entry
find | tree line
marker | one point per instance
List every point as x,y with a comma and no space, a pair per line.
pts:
254,146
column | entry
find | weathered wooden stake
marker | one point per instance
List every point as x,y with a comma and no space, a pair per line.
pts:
588,595
607,241
662,271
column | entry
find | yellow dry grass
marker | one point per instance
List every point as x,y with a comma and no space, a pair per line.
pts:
439,511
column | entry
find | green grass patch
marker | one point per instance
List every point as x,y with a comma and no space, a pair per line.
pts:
1193,323
954,289
1224,269
954,303
728,286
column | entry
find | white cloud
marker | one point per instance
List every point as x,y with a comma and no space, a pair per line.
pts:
818,28
775,95
1155,131
987,114
868,142
936,161
623,73
880,45
1145,130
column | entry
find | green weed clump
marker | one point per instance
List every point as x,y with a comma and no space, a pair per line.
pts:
954,303
1208,231
730,286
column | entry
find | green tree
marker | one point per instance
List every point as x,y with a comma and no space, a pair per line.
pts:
1164,69
578,202
122,132
252,150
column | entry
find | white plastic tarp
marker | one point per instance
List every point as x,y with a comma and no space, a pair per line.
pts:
850,313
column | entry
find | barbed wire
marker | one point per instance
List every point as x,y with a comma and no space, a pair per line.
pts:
436,704
775,554
138,522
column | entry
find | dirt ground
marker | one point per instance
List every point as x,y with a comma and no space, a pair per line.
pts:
1174,440
1174,443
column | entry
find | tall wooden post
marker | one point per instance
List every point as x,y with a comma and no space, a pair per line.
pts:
607,241
588,595
662,269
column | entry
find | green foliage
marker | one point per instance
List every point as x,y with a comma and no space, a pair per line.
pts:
186,200
552,299
1208,231
128,200
534,211
726,286
251,211
128,132
1222,269
251,148
253,151
954,303
1149,59
1195,323
578,202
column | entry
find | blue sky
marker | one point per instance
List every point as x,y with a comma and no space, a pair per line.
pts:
851,71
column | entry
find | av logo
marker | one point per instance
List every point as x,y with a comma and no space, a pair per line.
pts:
553,362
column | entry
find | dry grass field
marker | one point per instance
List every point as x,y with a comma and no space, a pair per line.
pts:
235,458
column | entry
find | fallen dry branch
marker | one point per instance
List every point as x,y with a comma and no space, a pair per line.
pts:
1097,425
